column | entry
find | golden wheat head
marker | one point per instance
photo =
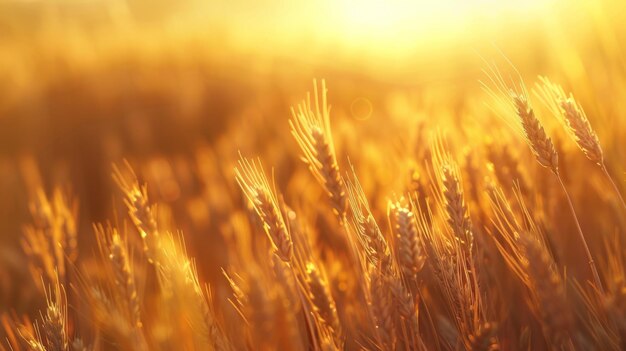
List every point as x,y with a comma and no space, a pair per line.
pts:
571,114
310,126
257,189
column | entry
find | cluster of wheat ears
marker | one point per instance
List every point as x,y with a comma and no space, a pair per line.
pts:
451,264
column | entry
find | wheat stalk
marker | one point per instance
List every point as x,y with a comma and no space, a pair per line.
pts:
548,288
526,254
311,129
571,113
50,242
456,209
373,242
257,190
115,251
403,298
124,277
54,324
178,273
505,166
536,136
322,300
261,311
409,250
450,247
546,155
141,212
382,309
573,117
540,144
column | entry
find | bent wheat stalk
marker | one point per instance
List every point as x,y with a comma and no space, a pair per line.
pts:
177,272
514,97
311,129
548,289
546,155
257,189
572,115
140,210
321,298
114,249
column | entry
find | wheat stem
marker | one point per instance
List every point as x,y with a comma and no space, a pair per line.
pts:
305,310
614,185
592,263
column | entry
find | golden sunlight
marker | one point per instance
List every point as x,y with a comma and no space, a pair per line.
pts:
402,21
312,175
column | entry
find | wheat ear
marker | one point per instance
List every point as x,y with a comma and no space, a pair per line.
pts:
546,155
573,117
536,136
140,210
548,288
323,302
382,308
371,238
116,250
176,270
257,189
311,129
54,320
409,250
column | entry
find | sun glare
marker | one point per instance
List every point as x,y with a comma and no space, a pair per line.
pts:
312,175
406,21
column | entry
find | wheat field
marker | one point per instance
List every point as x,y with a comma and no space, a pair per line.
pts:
429,175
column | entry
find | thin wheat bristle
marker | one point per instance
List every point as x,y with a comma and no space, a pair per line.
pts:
31,342
34,345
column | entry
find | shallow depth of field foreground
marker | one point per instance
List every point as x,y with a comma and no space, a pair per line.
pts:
312,175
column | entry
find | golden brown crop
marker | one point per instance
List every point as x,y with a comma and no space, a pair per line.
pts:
437,206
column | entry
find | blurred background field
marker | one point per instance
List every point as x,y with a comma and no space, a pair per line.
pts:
87,82
179,87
